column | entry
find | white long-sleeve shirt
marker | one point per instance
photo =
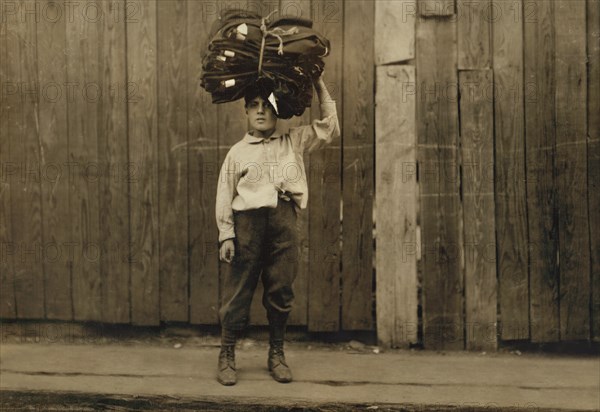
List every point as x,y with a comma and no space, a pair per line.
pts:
257,169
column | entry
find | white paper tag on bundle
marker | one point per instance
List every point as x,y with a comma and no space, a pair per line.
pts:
222,58
229,83
241,31
273,102
229,53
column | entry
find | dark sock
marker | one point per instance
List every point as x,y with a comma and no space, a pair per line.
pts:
276,334
228,337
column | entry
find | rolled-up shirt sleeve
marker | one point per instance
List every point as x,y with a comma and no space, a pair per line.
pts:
226,189
321,131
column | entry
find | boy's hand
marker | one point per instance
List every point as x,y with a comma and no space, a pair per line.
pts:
321,88
227,251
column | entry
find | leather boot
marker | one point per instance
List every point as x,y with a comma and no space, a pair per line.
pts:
227,374
278,367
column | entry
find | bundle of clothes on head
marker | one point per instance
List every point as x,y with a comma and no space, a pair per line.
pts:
280,58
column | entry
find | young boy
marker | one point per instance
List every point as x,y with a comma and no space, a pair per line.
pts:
262,184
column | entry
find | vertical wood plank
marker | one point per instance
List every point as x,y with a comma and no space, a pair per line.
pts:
593,110
300,309
24,146
325,187
112,156
436,7
477,155
396,205
82,212
203,172
540,124
511,208
571,169
172,160
395,30
441,213
7,169
143,145
358,190
473,24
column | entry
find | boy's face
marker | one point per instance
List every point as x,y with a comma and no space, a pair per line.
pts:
260,115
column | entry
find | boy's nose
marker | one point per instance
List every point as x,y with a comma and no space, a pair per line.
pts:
261,107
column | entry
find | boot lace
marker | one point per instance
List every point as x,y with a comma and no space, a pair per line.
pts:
277,354
228,353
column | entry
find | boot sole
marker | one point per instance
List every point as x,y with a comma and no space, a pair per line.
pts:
278,380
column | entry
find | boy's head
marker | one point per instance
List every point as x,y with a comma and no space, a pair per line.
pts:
261,115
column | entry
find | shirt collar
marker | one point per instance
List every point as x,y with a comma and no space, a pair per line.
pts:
248,138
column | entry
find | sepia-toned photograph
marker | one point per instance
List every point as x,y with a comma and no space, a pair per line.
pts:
300,205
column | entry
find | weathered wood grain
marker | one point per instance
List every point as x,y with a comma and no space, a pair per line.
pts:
357,154
203,174
25,152
396,200
173,160
84,59
571,169
511,205
325,187
7,269
394,30
474,30
540,123
436,7
113,160
441,213
593,153
477,155
143,145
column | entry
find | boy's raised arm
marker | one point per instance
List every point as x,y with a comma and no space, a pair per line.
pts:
321,131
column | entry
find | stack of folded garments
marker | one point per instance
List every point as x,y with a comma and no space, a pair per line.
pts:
281,58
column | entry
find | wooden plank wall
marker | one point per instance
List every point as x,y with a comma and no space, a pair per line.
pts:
7,274
512,75
22,132
571,169
325,187
145,145
396,189
541,200
142,133
511,210
439,180
477,152
358,165
114,244
203,163
593,136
